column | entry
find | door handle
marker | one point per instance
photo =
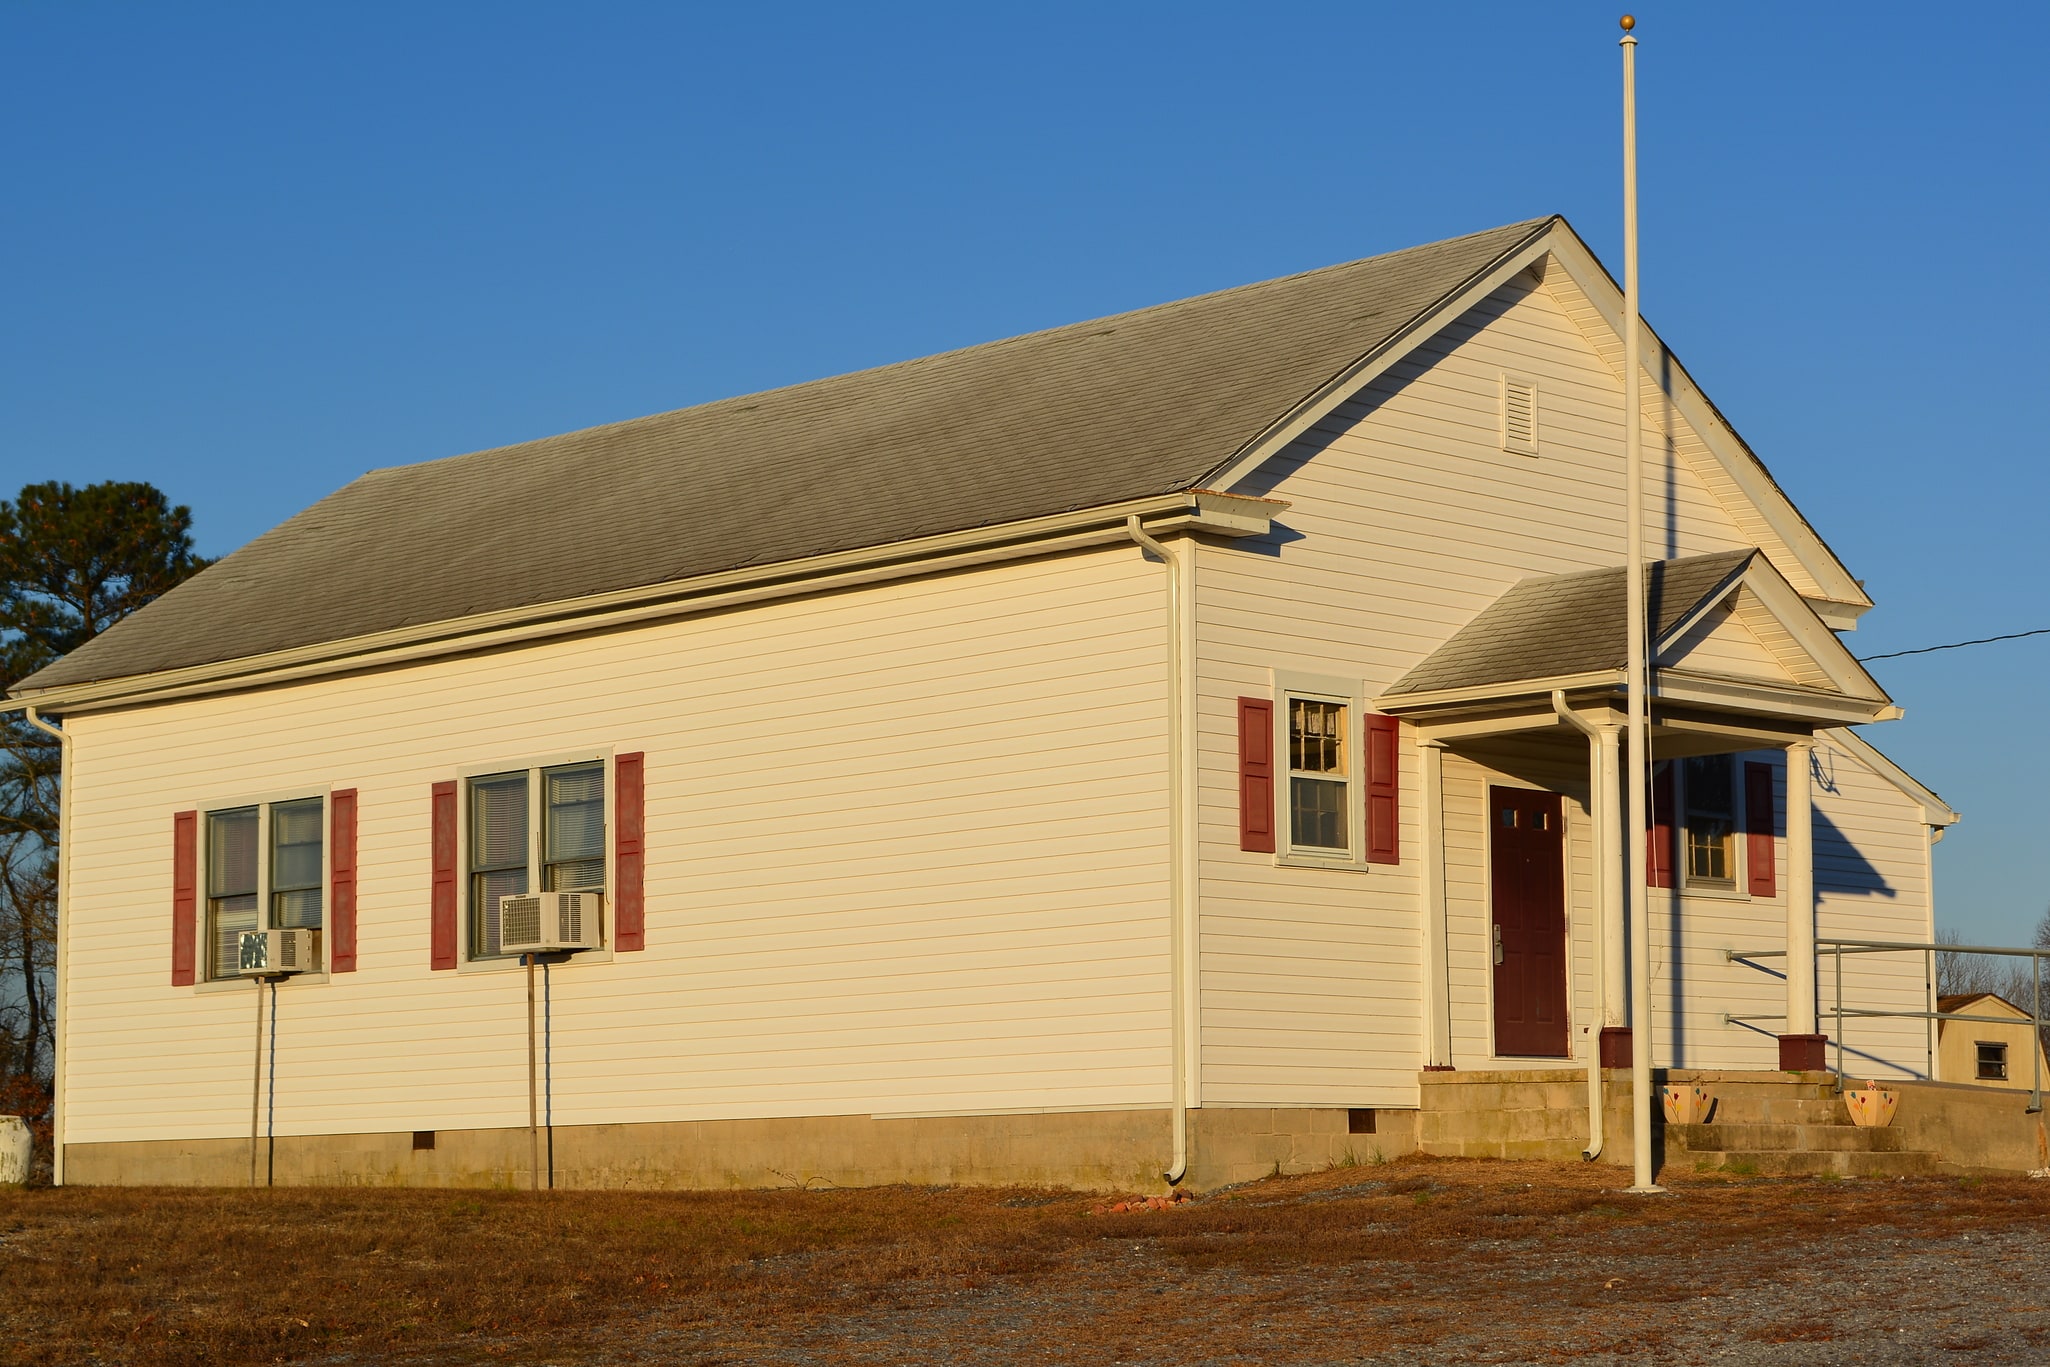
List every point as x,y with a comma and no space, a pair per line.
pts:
1498,946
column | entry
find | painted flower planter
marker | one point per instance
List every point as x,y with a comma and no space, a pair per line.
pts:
1870,1106
1686,1105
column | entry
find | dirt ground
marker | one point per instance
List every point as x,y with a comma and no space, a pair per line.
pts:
1424,1261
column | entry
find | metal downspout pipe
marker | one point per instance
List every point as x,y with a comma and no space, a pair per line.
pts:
1181,845
1602,876
63,933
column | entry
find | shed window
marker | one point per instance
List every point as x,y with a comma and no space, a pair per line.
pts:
1317,774
1992,1061
265,870
513,848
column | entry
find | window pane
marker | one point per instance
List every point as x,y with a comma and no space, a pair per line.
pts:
575,873
1710,789
576,813
1317,813
1316,736
485,891
300,909
498,822
295,845
231,853
227,918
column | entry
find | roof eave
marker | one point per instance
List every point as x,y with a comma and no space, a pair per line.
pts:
1205,511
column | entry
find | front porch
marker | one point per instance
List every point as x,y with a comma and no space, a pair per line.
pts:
1521,731
1764,1123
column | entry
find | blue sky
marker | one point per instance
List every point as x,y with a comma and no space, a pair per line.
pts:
255,250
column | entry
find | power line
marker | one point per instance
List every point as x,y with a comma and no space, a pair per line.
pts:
1956,645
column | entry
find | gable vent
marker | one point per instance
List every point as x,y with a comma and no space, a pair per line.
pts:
1519,416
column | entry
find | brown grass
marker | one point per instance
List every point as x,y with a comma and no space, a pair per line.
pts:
161,1276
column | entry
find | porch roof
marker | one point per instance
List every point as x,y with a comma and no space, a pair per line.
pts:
1569,631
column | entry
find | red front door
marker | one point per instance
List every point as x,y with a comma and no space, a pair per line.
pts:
1527,885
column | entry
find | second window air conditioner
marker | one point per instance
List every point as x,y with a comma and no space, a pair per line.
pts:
549,922
273,953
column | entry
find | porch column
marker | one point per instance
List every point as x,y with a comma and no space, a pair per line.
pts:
1437,997
1611,857
1801,1047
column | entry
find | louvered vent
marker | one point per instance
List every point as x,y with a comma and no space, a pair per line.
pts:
1519,416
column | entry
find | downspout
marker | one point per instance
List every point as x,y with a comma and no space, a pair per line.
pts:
1601,819
63,932
1179,846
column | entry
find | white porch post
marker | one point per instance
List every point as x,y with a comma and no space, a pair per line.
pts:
1608,818
1437,999
1800,1047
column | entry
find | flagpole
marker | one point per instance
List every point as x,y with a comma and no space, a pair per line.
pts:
1634,687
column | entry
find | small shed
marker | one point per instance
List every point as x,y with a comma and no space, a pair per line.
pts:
1985,1053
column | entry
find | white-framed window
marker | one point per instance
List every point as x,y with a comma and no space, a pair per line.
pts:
1317,741
265,869
1319,774
535,829
1708,803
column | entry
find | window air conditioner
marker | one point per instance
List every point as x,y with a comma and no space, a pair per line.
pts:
268,953
547,922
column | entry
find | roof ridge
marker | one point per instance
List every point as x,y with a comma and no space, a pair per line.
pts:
867,372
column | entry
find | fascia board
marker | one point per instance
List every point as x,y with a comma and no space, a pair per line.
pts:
1744,467
1935,811
1707,605
1810,632
1335,391
1397,704
1226,514
1793,701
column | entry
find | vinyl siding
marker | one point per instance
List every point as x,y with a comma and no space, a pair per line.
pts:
1406,519
906,851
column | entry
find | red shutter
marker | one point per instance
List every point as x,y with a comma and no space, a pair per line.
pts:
1256,775
184,896
629,912
341,881
1659,837
442,913
1384,791
1759,820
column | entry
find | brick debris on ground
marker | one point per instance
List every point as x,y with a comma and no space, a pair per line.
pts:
1416,1261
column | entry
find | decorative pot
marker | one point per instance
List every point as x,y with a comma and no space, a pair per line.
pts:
1686,1105
1871,1107
16,1149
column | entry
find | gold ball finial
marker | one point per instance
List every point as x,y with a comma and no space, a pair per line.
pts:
1629,22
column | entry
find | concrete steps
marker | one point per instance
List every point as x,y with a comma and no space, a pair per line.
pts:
1766,1124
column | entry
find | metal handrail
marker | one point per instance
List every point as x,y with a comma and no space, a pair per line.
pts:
1838,946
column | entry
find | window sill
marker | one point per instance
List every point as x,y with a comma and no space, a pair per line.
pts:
216,986
1343,863
1715,892
512,964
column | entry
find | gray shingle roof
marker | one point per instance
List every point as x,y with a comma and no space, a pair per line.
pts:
1095,413
1563,624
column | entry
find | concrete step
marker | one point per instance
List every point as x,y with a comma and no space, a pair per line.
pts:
1808,1163
1721,1138
1778,1111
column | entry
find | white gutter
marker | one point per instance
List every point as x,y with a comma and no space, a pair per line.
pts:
1181,847
63,931
1601,841
1197,510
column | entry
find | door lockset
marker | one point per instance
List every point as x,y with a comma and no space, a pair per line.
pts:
1498,945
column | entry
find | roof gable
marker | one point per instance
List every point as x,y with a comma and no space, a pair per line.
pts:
1566,626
